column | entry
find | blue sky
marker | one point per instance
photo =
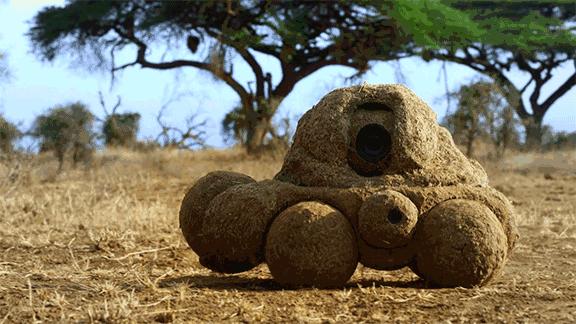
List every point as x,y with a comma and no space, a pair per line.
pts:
36,86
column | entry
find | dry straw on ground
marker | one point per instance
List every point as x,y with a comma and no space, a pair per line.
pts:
104,245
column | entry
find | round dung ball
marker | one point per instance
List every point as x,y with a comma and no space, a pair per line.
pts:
459,243
234,230
199,196
311,244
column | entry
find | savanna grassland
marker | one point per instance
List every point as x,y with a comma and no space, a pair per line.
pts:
102,244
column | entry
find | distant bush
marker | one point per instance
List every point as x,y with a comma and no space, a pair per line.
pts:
557,140
121,129
8,134
482,115
235,128
147,145
66,129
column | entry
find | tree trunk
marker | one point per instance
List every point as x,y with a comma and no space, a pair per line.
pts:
533,127
470,145
259,124
60,156
257,133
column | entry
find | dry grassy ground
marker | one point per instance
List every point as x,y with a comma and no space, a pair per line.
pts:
103,245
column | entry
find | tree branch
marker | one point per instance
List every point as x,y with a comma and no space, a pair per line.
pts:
266,49
249,58
526,86
143,62
256,68
175,137
103,104
567,85
512,94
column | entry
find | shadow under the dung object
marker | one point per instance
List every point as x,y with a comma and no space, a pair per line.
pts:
242,283
222,282
366,283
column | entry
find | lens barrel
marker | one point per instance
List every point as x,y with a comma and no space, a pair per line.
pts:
373,143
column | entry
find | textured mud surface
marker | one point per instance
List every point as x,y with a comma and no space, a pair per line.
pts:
102,246
375,154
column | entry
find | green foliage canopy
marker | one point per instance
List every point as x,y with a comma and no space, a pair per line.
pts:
121,129
66,128
490,37
302,36
8,134
536,37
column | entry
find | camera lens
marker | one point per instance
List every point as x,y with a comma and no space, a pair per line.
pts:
373,143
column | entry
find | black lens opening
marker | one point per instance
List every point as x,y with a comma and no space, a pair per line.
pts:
395,216
373,143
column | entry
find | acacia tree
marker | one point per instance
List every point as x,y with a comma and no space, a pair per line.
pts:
482,113
303,36
119,129
64,129
9,133
536,37
505,131
472,118
234,126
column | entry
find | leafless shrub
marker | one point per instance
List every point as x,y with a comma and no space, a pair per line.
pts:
191,137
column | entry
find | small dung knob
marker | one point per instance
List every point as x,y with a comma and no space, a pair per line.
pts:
387,219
